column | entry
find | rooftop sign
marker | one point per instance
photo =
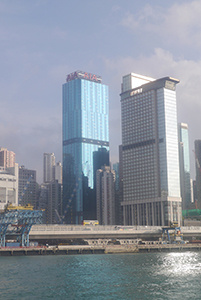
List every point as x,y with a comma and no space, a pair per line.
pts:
83,75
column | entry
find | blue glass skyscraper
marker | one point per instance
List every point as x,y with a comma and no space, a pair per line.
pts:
85,129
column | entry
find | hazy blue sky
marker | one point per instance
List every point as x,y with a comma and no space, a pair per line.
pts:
43,41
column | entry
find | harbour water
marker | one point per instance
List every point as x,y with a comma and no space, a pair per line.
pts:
120,276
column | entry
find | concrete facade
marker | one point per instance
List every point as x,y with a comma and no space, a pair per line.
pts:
8,186
150,158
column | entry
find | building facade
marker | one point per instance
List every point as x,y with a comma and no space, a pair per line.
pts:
8,186
58,172
7,158
105,196
184,158
48,167
27,187
85,129
150,158
198,173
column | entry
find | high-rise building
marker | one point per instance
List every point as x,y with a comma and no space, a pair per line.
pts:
27,187
184,165
116,169
54,202
117,195
120,184
85,129
48,167
100,158
198,173
58,172
7,158
150,158
105,196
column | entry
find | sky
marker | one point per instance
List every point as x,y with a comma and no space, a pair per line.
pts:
42,41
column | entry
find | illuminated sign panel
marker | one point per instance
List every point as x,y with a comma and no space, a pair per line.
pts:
83,75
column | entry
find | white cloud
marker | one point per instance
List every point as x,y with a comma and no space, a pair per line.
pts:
178,24
61,34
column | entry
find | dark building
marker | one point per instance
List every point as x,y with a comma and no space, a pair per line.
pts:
118,210
120,184
50,199
43,201
27,187
100,158
198,171
105,195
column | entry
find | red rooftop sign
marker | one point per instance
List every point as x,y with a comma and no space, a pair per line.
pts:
83,75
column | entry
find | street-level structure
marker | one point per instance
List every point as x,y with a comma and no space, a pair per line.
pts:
150,158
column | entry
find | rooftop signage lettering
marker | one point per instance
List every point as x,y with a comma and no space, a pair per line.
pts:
83,75
136,92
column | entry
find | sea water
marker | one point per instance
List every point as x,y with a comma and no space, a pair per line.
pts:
125,276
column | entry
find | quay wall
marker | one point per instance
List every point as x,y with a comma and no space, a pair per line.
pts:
84,249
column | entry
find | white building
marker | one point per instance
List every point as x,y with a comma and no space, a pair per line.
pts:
105,196
150,158
8,186
48,167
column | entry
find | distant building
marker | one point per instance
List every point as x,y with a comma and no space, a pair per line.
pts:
85,129
50,199
43,201
100,158
118,211
58,172
7,158
27,191
8,186
184,158
48,167
121,184
51,190
192,190
105,196
150,158
198,172
116,169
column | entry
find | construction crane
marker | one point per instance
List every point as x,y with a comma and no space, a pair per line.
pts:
172,235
